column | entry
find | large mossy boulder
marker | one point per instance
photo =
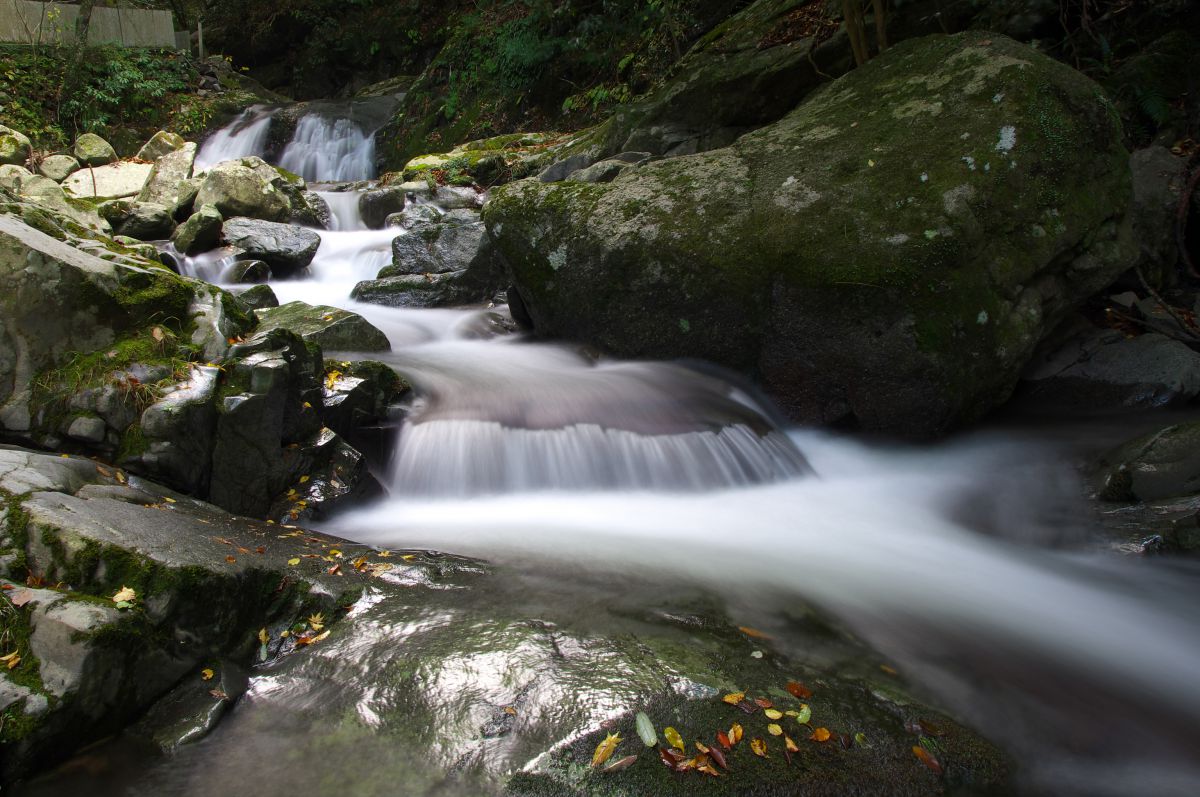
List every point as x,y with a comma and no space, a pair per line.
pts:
887,255
1162,464
243,188
58,302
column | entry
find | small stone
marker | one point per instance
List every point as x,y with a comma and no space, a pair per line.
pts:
87,430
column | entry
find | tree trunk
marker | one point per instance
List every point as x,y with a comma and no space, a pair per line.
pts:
880,7
852,15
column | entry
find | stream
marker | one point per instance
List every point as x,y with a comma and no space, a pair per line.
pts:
977,567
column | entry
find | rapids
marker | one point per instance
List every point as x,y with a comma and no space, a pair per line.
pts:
977,565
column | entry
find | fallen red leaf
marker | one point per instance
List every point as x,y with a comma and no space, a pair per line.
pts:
762,702
799,690
927,759
723,740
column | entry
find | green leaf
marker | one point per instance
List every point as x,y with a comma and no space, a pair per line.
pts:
645,729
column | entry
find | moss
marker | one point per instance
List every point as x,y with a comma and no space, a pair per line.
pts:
155,296
133,443
53,389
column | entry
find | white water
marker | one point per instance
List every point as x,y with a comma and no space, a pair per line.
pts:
528,453
244,136
329,150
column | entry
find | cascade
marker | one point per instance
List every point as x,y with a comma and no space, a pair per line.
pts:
244,136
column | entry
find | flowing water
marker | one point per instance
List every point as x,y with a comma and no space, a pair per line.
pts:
977,565
244,136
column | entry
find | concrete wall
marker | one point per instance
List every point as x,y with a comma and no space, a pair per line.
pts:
29,22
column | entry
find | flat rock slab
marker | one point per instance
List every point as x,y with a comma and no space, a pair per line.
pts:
114,181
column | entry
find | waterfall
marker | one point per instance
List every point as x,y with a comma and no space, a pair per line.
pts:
246,135
330,150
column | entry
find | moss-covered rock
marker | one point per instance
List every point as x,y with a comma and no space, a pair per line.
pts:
244,188
329,327
89,665
14,146
886,255
161,143
201,231
91,150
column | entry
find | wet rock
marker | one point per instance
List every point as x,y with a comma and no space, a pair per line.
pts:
285,248
168,181
147,222
919,321
1096,368
193,708
1161,464
358,394
336,475
198,601
161,143
441,247
14,146
420,290
331,328
58,167
116,180
267,405
248,271
260,297
376,205
91,150
219,317
201,232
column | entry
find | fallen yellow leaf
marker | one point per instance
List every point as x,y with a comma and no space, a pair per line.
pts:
774,729
820,735
11,660
773,713
791,746
734,698
759,747
317,621
735,733
674,739
605,749
295,560
206,674
124,594
263,636
303,479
